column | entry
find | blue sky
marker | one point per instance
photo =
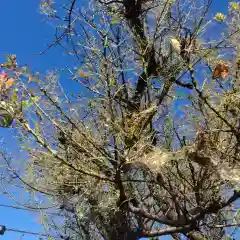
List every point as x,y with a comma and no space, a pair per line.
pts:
25,34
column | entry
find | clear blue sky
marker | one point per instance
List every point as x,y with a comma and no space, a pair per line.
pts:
23,33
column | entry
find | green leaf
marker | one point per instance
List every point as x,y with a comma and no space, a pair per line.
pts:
14,98
112,81
26,104
36,98
235,5
24,70
15,90
25,148
114,22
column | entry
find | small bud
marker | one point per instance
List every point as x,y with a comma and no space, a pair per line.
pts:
220,17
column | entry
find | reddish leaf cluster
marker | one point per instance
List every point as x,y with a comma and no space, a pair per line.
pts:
221,70
5,81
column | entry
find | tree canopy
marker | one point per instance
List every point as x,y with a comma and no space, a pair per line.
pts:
147,143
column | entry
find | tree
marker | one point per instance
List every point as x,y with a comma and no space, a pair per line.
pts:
119,158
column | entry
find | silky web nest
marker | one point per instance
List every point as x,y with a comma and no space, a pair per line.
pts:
159,160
